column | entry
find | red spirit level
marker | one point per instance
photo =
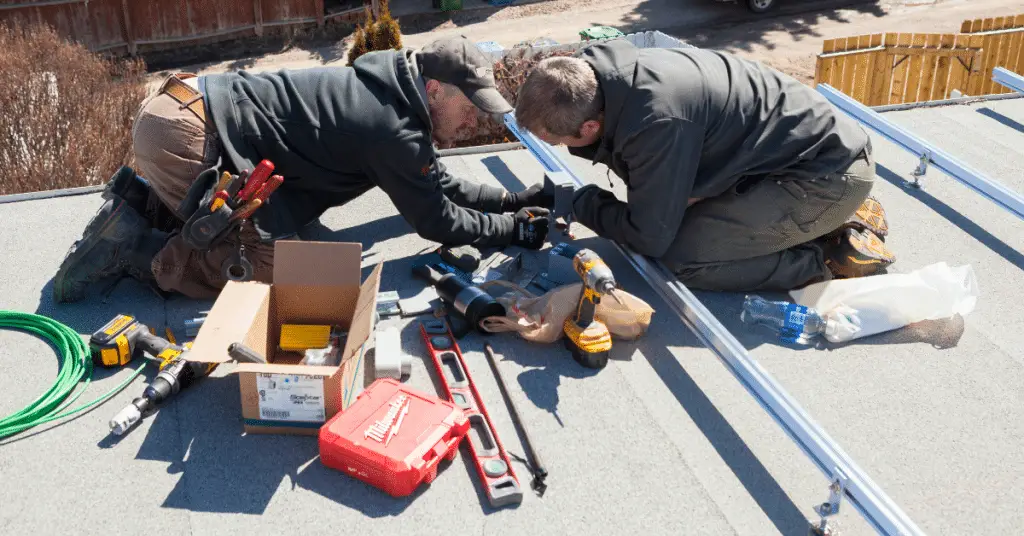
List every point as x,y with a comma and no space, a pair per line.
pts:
492,463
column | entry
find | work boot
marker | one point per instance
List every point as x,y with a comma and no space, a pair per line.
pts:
869,216
857,253
117,242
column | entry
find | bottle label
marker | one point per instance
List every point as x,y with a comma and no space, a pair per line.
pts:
796,317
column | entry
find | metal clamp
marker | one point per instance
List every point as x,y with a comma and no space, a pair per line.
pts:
921,169
827,509
237,267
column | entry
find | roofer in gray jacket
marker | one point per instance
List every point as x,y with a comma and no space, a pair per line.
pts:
738,177
332,133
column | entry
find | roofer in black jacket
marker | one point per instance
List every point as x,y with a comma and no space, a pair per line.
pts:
332,133
738,177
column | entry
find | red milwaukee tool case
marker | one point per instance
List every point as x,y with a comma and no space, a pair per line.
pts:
393,437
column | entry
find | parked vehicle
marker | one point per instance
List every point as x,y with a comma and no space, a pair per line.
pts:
757,6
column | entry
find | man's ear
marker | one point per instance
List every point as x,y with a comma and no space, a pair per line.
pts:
590,128
435,91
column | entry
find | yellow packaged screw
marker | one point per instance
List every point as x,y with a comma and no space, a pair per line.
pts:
301,337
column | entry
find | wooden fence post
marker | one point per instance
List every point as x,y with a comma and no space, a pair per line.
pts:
879,71
257,14
129,35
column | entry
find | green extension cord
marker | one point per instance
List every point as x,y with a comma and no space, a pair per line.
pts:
75,364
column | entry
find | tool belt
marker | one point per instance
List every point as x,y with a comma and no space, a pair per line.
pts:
205,227
219,202
186,95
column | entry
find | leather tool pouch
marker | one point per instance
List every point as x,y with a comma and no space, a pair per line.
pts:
204,229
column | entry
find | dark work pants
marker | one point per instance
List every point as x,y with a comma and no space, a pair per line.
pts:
762,236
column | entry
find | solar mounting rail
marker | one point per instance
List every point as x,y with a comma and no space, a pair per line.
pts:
846,479
926,152
1008,78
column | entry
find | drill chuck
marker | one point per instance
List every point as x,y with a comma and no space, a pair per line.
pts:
125,419
177,375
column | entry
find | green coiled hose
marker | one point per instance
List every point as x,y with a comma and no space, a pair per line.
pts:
76,368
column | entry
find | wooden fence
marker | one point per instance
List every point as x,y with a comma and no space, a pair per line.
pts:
1003,46
896,68
125,26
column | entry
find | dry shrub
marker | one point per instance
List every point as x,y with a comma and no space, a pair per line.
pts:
381,33
509,73
66,112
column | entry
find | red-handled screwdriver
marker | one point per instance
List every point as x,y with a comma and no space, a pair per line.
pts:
256,179
268,187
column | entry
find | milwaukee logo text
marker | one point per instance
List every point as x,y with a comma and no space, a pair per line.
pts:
387,426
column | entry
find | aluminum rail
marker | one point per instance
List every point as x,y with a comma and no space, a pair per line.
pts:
975,180
1008,78
847,480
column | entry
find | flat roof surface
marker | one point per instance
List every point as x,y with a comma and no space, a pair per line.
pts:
664,440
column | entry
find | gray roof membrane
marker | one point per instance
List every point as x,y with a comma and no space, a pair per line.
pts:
663,441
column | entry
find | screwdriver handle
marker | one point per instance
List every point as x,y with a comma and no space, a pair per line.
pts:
246,210
256,179
243,354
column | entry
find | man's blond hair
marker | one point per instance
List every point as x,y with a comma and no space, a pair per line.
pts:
559,95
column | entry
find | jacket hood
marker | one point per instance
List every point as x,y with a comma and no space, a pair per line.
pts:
397,71
614,62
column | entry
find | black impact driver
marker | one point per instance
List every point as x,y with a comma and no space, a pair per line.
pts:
124,339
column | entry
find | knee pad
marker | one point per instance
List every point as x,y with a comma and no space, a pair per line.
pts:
127,185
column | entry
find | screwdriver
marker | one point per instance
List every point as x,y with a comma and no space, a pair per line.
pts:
221,196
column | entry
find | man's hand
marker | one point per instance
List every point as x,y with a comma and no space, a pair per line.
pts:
537,195
587,204
531,227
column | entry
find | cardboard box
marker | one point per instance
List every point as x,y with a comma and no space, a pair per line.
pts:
313,283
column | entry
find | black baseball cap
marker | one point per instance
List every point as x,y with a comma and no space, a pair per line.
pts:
457,61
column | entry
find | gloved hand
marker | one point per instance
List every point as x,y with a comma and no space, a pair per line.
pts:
530,227
538,195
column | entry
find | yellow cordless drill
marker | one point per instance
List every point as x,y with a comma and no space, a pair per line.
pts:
586,336
123,339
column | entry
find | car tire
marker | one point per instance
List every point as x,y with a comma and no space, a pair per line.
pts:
761,6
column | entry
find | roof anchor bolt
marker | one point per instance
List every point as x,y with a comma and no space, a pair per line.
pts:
836,490
921,169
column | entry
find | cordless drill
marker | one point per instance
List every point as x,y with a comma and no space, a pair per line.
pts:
585,336
123,339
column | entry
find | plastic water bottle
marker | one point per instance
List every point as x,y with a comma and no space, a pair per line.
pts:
794,323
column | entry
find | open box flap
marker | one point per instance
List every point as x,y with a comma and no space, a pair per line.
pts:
324,264
305,370
240,314
363,319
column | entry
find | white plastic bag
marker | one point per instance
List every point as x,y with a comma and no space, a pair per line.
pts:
866,306
540,318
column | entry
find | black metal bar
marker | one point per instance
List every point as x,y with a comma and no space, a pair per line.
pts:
536,468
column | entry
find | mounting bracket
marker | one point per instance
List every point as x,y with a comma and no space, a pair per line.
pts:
921,169
830,508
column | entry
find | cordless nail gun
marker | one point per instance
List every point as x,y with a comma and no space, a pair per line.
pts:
586,336
124,339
